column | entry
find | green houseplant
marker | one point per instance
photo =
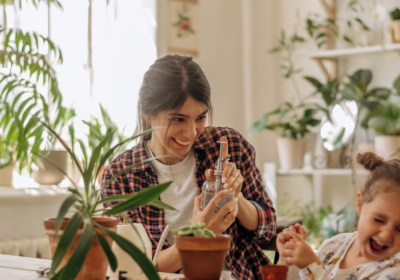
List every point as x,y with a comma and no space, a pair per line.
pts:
83,236
96,135
201,252
293,122
367,99
395,15
21,54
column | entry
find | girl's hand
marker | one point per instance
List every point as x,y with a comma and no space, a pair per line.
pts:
298,252
217,222
231,178
283,238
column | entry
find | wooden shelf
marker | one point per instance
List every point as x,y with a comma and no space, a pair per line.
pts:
332,54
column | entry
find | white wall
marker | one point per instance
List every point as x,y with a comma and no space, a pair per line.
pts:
221,55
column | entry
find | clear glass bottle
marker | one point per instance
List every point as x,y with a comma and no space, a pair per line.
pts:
209,191
213,184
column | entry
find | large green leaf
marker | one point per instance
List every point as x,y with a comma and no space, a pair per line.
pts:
78,257
138,256
67,203
88,174
361,78
125,197
66,240
109,253
143,197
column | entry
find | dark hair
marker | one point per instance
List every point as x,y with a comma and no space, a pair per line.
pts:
380,170
167,85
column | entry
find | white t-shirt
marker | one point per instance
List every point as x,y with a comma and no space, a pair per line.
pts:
181,193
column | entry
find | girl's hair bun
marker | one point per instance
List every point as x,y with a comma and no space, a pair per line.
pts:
369,160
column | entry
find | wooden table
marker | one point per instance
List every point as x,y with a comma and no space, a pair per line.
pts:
21,268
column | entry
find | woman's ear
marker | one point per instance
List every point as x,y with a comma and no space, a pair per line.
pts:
359,202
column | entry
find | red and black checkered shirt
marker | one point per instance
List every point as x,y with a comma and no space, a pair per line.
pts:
245,256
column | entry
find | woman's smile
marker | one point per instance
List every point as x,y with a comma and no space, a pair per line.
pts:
182,143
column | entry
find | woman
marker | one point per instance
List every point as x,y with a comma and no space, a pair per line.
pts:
175,95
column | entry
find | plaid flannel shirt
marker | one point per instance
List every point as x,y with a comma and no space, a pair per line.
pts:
245,256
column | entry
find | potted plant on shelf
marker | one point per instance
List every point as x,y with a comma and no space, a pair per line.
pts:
395,27
367,101
81,245
202,253
21,55
387,125
294,123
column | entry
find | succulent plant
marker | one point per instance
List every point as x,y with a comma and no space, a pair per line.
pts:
196,230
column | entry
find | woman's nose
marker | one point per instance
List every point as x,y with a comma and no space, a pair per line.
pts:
190,131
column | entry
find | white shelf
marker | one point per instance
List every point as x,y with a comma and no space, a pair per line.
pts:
354,51
345,171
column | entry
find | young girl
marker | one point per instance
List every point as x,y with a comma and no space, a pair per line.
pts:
176,96
370,253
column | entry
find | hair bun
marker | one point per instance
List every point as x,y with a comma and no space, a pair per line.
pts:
369,160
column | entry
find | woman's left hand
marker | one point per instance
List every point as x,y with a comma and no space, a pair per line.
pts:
231,177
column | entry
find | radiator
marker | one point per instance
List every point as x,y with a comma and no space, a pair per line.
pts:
28,247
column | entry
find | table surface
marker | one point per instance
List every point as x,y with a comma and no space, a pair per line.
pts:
21,268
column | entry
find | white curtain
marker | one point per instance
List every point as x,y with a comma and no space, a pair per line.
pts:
123,43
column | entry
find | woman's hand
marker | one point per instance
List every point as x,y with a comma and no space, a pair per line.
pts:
231,178
298,252
219,221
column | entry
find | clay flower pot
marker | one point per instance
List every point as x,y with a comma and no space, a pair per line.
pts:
203,257
50,175
274,272
291,152
386,145
396,31
6,175
96,262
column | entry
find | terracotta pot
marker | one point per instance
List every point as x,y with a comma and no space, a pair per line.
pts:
396,31
385,145
96,262
48,174
203,258
6,175
291,152
274,272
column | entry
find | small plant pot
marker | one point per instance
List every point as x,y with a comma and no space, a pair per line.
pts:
274,272
291,152
203,257
365,147
6,176
48,174
96,262
396,31
386,145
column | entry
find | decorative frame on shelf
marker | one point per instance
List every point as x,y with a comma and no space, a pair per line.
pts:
183,27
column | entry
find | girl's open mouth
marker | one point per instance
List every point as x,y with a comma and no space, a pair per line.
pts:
376,248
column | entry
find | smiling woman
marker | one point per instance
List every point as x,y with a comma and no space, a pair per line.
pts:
175,97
